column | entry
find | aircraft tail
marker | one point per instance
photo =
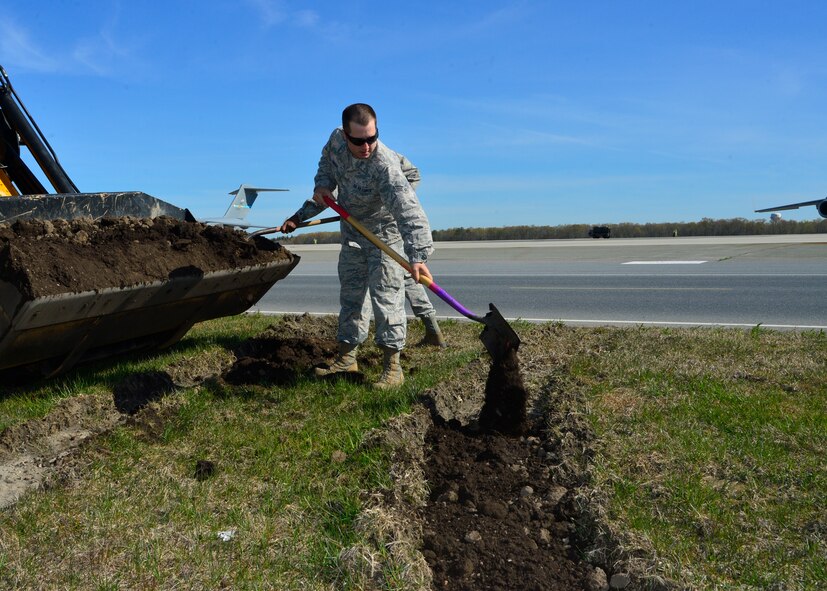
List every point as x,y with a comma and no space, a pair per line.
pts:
236,214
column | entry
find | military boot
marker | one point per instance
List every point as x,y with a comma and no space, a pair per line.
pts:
433,336
345,361
392,370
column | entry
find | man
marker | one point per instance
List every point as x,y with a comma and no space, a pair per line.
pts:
415,293
371,186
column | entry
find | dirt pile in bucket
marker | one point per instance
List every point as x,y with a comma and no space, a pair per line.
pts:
43,258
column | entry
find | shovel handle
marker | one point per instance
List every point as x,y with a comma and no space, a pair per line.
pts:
265,231
426,281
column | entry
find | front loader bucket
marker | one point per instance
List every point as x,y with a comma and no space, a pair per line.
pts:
50,334
69,206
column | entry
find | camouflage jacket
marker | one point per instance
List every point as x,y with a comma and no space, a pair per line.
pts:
378,191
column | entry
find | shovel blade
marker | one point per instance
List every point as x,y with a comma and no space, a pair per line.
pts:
498,336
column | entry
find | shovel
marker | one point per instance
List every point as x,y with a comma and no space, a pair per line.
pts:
265,231
497,336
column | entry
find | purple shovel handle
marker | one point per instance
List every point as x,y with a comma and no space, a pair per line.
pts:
448,298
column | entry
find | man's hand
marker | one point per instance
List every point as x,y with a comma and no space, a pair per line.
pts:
288,226
320,193
420,269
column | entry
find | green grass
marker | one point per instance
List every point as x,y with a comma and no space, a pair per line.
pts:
716,453
138,518
709,452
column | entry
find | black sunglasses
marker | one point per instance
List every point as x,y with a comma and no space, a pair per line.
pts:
361,141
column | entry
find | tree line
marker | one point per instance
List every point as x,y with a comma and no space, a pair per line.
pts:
705,227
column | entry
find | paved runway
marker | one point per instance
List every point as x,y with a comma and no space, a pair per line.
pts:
776,281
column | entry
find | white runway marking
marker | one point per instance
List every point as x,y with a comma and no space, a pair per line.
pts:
621,288
664,263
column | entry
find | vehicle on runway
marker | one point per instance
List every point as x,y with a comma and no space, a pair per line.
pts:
600,232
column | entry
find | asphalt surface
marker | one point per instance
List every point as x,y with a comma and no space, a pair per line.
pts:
775,281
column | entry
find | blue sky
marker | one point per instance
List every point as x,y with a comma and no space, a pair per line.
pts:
518,112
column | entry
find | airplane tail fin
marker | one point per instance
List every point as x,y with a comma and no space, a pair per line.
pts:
245,196
243,200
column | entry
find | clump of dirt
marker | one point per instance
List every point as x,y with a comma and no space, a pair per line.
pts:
284,351
42,257
204,469
138,390
278,360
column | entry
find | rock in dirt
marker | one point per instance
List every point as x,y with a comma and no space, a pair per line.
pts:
619,581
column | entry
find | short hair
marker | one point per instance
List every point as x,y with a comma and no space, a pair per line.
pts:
357,113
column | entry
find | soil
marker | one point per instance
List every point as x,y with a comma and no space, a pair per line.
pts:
278,360
495,518
43,258
492,521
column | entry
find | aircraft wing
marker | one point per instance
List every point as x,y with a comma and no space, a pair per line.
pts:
790,206
234,222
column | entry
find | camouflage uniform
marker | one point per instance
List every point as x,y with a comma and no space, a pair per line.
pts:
414,292
378,194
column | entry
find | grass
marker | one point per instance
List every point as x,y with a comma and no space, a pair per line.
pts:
712,446
708,452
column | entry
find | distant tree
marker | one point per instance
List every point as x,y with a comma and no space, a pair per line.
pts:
704,227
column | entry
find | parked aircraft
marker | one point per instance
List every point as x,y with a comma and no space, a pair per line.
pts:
236,215
821,206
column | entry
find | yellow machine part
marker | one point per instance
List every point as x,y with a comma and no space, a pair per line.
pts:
6,187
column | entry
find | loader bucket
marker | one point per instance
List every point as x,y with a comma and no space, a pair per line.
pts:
75,287
49,335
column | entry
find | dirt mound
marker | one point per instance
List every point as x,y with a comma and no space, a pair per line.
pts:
278,360
45,258
138,390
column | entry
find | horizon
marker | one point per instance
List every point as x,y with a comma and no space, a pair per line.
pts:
516,113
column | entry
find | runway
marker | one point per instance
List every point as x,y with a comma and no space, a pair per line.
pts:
777,282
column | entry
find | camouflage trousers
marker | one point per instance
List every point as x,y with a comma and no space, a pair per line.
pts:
417,296
367,272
